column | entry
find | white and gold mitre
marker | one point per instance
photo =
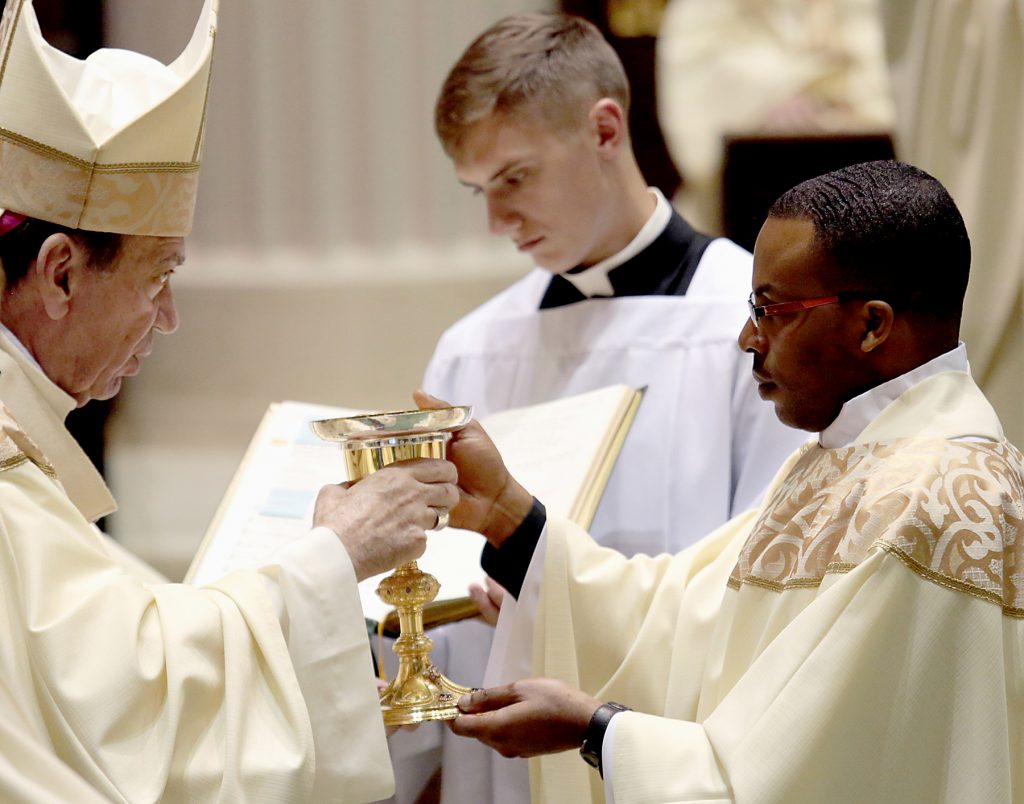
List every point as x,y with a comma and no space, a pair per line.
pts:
108,144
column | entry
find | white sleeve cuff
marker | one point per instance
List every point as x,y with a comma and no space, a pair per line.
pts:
607,761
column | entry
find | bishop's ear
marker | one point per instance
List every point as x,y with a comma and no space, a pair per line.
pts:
55,272
877,318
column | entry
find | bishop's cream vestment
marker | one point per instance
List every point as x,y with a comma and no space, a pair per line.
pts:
859,638
29,771
256,688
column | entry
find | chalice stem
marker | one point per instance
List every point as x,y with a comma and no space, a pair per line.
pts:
418,692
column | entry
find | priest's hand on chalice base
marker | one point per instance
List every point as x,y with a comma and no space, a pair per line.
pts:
381,519
526,718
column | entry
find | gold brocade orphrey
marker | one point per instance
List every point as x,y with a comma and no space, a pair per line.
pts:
951,511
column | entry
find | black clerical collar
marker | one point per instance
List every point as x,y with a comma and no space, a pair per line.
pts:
664,268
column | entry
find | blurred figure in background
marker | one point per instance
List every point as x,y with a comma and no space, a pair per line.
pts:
958,78
785,67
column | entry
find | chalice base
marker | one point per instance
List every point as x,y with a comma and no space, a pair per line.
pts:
417,699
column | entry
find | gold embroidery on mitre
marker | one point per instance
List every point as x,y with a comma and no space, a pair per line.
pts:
137,199
206,99
141,202
9,21
951,511
119,167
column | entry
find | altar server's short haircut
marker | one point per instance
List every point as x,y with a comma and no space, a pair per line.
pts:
888,226
550,64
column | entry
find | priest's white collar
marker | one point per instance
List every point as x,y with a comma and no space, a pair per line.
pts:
859,412
594,280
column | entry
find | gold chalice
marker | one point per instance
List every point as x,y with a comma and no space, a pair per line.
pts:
418,691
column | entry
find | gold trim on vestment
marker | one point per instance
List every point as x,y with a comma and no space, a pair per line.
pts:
952,511
14,461
17,448
836,568
950,583
913,566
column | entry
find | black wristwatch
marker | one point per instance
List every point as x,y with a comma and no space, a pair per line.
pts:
593,737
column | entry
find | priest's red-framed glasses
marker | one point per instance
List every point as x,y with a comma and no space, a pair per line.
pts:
759,311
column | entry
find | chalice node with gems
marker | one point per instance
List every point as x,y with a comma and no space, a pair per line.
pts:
418,691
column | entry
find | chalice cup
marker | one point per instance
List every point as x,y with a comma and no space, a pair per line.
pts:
418,692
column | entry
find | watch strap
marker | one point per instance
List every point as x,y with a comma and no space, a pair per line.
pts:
593,737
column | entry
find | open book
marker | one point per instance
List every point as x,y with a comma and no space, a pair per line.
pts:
561,451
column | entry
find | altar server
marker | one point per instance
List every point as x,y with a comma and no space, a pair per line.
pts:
258,687
533,116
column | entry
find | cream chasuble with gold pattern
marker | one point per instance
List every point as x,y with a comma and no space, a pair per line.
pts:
155,691
860,638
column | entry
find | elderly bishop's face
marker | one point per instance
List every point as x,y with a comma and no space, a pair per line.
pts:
809,362
114,314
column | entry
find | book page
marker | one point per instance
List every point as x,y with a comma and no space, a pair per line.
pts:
558,450
270,500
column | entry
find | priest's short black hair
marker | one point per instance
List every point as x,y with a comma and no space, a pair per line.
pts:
888,227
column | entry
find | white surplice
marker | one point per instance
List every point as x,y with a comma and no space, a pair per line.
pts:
703,446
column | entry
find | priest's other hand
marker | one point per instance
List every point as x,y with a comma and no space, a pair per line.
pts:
526,718
491,501
382,519
488,599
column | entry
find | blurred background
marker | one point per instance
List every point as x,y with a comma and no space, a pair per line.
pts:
333,245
